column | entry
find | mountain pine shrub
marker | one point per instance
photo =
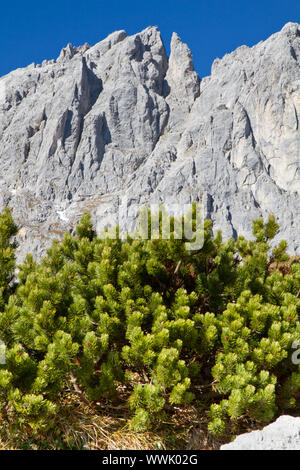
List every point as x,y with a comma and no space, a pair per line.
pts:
7,257
148,322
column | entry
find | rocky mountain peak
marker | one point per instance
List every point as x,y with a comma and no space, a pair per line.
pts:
120,118
291,29
180,56
183,81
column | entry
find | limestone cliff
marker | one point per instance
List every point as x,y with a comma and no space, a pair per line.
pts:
121,118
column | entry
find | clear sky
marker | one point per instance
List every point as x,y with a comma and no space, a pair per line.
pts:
33,30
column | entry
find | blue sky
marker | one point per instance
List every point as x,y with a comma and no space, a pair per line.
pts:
33,30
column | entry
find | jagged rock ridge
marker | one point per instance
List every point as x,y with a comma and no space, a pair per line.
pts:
121,118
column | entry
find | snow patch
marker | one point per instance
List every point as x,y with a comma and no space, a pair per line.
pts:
63,216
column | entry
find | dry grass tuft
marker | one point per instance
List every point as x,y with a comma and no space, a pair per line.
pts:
85,425
88,426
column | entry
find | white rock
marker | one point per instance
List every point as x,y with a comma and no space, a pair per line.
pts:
283,434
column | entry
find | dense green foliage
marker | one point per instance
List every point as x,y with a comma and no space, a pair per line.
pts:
7,256
149,322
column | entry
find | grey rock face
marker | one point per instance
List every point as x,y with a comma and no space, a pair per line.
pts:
122,119
283,434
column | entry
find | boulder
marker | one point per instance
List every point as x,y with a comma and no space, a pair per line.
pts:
283,434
